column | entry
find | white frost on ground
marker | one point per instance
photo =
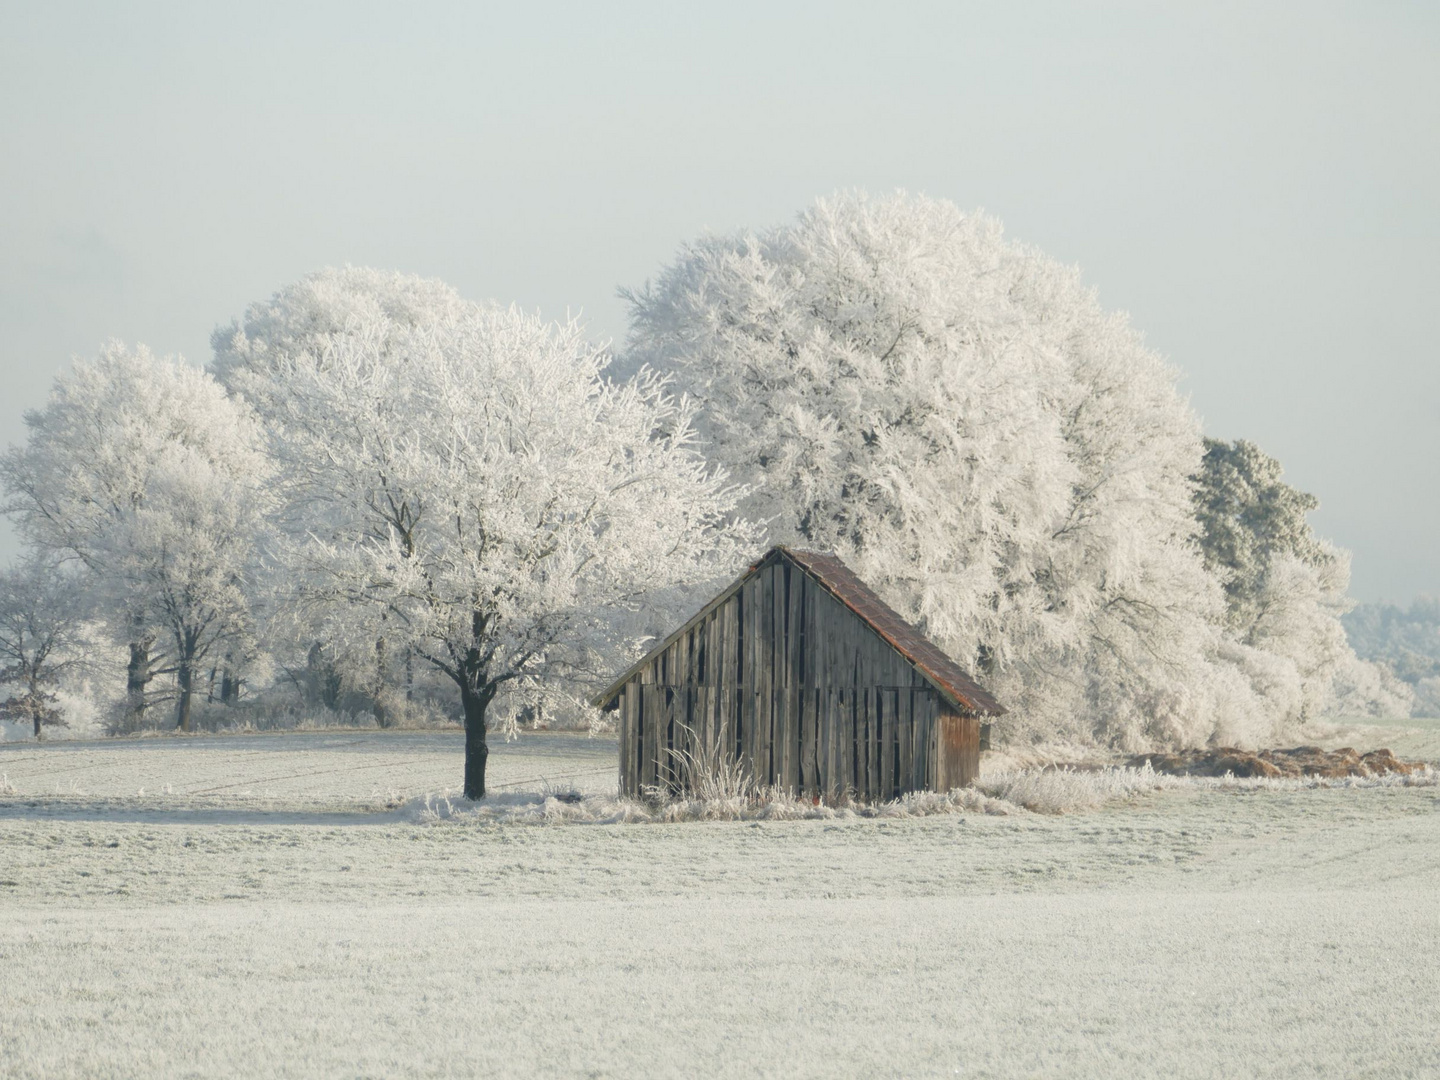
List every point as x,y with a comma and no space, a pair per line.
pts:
334,771
305,930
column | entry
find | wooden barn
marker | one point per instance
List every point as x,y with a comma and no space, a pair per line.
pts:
808,681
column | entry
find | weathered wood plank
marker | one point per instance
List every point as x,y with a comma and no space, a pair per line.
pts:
839,719
776,659
918,753
794,661
882,755
873,743
765,702
815,679
630,756
959,758
707,684
665,710
729,704
757,675
824,733
919,747
862,744
808,784
885,704
783,717
645,744
904,721
685,733
745,717
622,733
722,677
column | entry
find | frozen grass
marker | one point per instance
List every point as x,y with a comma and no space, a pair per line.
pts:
540,808
1415,738
330,771
1177,927
1066,790
1044,791
542,778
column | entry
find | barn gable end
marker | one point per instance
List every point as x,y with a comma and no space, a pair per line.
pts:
803,677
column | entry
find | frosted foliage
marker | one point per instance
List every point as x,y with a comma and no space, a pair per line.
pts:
1427,696
1408,639
302,315
1297,618
1284,587
465,482
1249,517
42,641
1001,458
157,482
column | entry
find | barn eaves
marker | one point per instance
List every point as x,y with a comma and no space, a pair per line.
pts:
937,669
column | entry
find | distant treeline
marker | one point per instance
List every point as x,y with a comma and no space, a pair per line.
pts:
1406,639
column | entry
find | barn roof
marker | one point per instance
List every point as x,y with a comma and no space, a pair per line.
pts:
840,581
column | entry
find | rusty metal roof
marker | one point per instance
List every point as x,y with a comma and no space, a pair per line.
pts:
840,581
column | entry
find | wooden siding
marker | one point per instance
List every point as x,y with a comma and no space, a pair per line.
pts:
958,761
787,681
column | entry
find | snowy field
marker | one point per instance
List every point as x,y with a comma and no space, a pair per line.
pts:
340,772
275,905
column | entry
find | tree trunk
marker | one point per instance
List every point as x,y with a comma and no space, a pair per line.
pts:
137,677
476,749
323,681
382,670
229,686
186,678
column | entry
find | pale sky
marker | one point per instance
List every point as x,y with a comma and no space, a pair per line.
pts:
1257,184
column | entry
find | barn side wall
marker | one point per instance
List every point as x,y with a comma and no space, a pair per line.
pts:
786,681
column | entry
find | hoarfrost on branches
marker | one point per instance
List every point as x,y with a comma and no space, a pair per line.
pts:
1405,641
1285,587
1003,459
147,473
467,484
43,641
453,487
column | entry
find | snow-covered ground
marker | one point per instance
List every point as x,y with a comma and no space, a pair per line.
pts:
340,771
274,905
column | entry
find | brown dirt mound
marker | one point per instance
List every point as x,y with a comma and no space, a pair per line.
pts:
1294,762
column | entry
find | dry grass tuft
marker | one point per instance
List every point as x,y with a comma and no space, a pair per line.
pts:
1294,762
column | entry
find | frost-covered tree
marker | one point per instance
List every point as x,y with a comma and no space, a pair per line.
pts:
1285,587
157,481
1408,639
468,484
1250,521
1004,459
43,615
307,317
